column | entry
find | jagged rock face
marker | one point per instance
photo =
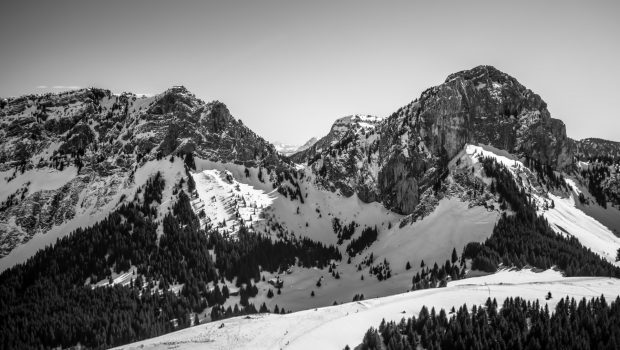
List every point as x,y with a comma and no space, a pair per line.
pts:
108,137
94,122
187,124
407,153
341,127
484,105
396,176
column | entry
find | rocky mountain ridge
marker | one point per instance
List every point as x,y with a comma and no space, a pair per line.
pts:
349,125
193,217
407,153
101,139
88,145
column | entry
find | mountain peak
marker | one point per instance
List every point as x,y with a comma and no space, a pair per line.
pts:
178,89
394,162
480,72
350,125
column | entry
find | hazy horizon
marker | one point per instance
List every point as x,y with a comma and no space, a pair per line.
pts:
289,69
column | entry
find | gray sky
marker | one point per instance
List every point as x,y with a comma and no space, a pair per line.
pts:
289,68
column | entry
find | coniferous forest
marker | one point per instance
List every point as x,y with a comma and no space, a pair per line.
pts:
47,302
595,176
525,238
519,239
518,324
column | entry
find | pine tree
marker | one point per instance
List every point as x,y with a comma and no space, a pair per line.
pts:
189,161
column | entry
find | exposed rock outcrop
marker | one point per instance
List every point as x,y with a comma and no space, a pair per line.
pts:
407,153
340,128
105,138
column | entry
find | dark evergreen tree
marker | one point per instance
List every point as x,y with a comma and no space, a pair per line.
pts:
189,160
366,239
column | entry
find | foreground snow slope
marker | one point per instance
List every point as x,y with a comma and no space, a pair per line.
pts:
336,326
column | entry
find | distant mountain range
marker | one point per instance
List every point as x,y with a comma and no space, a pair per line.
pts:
288,150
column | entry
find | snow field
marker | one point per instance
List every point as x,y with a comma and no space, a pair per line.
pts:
452,225
228,202
336,326
35,179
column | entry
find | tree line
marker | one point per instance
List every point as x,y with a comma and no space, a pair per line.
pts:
525,238
518,324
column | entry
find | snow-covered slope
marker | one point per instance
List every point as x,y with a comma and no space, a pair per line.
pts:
225,189
566,219
67,159
337,326
563,215
229,194
225,203
415,178
95,202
